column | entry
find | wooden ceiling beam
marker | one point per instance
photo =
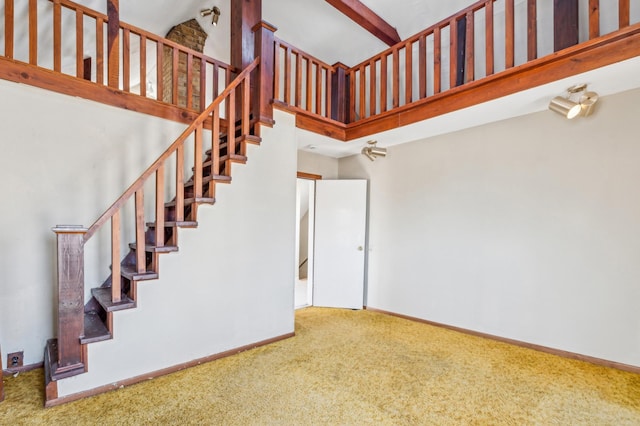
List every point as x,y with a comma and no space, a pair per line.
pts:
367,19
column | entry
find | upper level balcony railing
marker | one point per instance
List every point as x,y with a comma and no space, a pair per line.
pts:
490,38
71,39
486,38
302,81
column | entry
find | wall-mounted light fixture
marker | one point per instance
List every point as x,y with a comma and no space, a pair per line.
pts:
578,102
371,151
214,12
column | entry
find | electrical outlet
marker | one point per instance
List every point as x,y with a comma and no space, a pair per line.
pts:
15,359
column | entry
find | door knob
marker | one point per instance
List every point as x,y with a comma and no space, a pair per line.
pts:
360,248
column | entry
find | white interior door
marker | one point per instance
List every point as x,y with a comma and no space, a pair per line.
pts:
340,226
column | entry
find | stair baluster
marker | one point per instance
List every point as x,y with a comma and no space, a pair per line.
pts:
116,276
197,175
141,267
215,144
180,184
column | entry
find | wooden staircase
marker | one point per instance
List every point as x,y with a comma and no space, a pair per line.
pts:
81,324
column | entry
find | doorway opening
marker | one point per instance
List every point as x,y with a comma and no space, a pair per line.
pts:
330,242
305,214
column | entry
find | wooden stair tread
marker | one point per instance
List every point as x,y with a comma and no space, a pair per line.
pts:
150,248
130,273
235,158
103,296
252,139
216,178
206,179
174,224
187,201
94,329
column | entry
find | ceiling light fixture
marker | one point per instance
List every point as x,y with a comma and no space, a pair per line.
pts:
371,151
214,11
581,104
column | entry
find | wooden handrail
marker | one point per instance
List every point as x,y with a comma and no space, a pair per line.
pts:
137,185
172,44
85,10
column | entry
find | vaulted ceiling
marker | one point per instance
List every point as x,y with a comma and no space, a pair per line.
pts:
318,28
312,25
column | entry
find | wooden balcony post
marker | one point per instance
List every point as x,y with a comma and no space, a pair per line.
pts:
510,33
113,43
623,13
245,15
460,52
70,242
8,29
340,93
565,24
262,84
532,30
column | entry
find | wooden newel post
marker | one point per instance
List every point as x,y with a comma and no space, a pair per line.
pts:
340,93
70,242
262,84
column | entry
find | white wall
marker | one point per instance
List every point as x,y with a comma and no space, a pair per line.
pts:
527,229
230,285
316,164
64,161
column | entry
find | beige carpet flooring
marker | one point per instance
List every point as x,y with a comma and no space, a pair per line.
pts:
356,367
